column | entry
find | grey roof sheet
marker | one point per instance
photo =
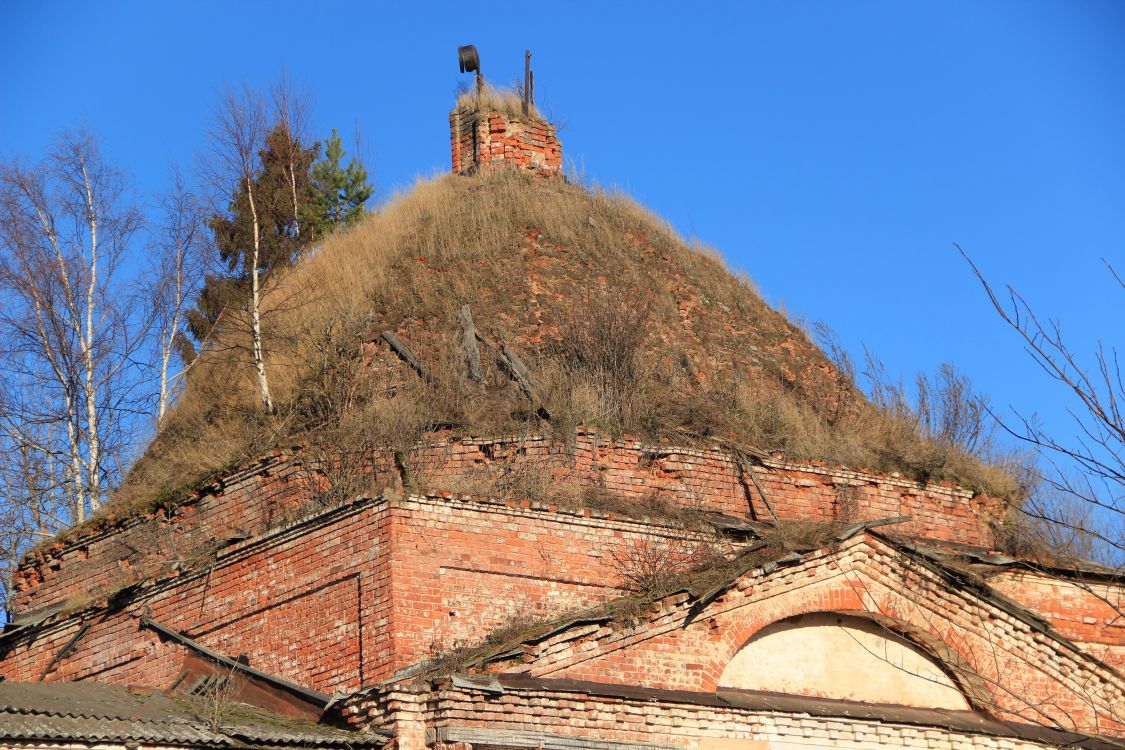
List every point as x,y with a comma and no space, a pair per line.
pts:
91,711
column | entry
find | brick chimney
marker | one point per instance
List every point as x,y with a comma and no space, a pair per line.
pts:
485,139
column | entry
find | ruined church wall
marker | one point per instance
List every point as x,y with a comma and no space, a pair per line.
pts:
1010,667
160,543
308,603
348,597
342,600
562,719
157,542
1086,611
464,569
710,479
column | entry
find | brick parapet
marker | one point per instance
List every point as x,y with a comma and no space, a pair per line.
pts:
269,493
484,140
121,552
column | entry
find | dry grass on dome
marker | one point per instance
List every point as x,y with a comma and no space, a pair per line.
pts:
626,328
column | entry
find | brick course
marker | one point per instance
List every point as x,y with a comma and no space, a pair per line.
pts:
252,501
618,723
486,140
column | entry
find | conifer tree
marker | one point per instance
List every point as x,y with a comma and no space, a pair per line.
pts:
340,194
281,173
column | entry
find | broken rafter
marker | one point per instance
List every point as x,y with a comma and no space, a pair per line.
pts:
522,376
65,651
469,346
399,347
747,472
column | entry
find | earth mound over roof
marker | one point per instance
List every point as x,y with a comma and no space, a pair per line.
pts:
622,325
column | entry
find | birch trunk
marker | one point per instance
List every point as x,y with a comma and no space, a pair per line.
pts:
90,387
168,335
76,485
293,193
255,306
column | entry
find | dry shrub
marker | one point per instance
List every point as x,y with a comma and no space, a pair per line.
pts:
650,567
801,536
215,698
598,350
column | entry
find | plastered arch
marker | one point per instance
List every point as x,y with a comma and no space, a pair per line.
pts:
854,599
833,655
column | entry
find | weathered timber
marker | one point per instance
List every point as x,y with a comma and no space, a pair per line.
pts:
65,651
519,373
747,472
399,347
469,346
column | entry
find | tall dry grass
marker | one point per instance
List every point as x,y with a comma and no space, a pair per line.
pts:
497,99
626,328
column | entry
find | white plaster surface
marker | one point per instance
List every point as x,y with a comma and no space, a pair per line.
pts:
848,658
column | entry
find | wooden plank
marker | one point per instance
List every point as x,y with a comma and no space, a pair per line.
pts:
519,372
469,345
399,347
748,473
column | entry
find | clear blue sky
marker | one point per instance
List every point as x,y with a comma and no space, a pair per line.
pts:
833,151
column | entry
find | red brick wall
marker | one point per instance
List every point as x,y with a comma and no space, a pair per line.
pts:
1086,611
462,569
104,559
1002,664
258,499
348,598
301,604
711,480
482,141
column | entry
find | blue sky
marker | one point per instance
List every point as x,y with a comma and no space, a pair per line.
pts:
832,151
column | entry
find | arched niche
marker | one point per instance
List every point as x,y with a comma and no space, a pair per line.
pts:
830,655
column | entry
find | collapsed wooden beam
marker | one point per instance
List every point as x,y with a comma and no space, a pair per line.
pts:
399,347
469,345
522,376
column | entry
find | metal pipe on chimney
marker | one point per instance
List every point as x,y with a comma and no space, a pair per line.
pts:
527,83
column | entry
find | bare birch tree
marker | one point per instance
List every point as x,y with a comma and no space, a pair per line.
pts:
69,332
179,248
291,114
236,139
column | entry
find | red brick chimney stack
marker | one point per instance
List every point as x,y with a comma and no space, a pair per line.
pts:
485,139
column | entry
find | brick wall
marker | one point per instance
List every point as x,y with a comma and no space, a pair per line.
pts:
485,140
709,479
350,596
254,500
1002,663
110,555
558,718
302,603
1086,611
347,597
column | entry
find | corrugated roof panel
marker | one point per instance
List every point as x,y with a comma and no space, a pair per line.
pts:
92,711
